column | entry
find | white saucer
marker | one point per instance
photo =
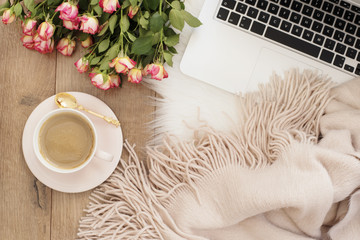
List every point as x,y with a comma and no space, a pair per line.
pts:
97,171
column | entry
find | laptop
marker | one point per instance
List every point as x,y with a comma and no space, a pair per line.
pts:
241,43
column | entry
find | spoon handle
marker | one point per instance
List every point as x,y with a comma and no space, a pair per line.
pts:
108,119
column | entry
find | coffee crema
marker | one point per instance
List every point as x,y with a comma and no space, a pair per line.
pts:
66,140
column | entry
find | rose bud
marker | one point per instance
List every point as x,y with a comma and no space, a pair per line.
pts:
115,80
100,80
135,75
42,46
122,64
82,65
8,16
133,11
72,25
157,71
46,30
29,26
89,24
87,42
27,41
109,6
66,46
68,11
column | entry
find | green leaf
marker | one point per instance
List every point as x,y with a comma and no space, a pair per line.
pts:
104,45
124,23
82,36
94,2
103,31
156,22
133,2
54,2
125,4
176,19
113,51
98,10
18,9
29,4
172,50
172,40
105,65
131,37
164,16
152,4
176,5
146,15
190,19
168,58
156,38
142,45
5,5
95,60
143,22
112,23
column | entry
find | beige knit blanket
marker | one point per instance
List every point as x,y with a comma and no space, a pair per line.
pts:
289,170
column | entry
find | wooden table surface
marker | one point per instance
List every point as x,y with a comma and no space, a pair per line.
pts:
29,209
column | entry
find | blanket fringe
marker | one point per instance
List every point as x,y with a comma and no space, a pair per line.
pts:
281,112
122,207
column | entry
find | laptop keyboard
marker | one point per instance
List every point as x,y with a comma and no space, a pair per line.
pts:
326,30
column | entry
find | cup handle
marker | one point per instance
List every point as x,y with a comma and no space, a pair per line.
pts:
104,155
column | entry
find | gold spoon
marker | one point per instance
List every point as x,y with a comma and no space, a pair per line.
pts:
66,100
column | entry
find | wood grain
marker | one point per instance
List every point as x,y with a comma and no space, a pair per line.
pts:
30,210
27,78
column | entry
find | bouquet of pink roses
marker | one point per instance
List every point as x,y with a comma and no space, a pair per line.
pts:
132,38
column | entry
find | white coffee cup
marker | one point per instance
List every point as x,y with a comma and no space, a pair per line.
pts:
94,152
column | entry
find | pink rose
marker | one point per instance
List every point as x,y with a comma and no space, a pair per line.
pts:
66,46
71,25
27,41
98,81
122,64
133,11
29,26
135,75
68,11
89,24
82,65
43,46
8,16
87,42
46,30
115,80
109,6
156,70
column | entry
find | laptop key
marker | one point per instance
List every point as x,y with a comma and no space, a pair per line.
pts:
292,42
327,56
350,28
284,13
285,3
296,30
273,8
251,2
318,15
351,53
318,39
358,58
307,35
257,28
264,17
286,26
262,4
327,7
316,3
295,17
317,26
245,22
222,14
228,4
328,31
241,8
329,19
339,36
329,44
234,18
252,12
307,10
349,40
305,1
357,70
296,6
349,15
338,11
275,21
357,44
339,61
340,48
349,68
306,22
345,4
357,20
340,24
